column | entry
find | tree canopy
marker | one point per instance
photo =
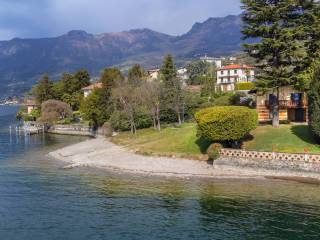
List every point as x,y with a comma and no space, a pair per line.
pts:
279,46
43,90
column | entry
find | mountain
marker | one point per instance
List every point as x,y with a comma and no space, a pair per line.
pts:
23,61
216,36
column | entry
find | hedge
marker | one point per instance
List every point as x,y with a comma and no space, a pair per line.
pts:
228,123
245,86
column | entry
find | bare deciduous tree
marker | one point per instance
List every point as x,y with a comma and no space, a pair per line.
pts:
54,110
127,98
151,97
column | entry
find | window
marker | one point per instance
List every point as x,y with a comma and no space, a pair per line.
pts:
221,72
235,71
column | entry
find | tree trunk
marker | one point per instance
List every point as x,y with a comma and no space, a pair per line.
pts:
276,111
183,113
179,118
134,128
154,121
131,126
158,119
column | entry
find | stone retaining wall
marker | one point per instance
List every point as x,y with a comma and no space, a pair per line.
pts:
72,129
270,160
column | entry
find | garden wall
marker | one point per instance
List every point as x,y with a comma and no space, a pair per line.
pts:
270,160
72,129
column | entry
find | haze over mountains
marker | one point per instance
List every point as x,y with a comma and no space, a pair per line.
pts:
23,61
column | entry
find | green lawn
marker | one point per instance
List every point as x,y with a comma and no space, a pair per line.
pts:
181,142
286,138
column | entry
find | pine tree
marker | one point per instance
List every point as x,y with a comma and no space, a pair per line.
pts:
279,50
135,75
168,71
110,76
83,78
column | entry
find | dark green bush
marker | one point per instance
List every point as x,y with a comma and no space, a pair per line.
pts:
168,115
143,120
214,151
228,123
242,99
65,121
119,121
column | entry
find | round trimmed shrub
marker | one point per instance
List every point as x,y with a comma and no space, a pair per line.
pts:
214,151
228,123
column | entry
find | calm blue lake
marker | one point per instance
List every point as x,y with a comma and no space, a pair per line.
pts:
40,200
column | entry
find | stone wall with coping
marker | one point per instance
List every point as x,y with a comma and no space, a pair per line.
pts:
269,160
72,129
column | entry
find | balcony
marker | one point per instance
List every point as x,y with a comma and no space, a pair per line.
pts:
284,104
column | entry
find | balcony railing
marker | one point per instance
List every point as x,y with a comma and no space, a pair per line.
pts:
289,104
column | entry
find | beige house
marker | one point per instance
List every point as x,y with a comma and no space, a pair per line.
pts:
88,90
31,105
292,103
153,74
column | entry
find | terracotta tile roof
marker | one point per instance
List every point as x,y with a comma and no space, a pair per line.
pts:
30,102
235,66
93,86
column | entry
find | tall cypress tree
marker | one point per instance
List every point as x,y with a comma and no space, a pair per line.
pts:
172,84
135,75
314,102
168,71
279,49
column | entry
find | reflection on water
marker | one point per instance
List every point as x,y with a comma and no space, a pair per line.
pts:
40,200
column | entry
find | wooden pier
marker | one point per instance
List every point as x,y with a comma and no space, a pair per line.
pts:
33,128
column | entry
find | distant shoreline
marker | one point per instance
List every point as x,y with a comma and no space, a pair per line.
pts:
100,153
10,104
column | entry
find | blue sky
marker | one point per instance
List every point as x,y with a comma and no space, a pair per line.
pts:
47,18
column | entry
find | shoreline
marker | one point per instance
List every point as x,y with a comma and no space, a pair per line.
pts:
101,153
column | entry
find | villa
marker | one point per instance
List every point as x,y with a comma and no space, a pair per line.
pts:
88,90
31,105
183,74
153,74
293,105
229,76
216,61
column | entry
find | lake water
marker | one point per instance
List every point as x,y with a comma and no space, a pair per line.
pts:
40,200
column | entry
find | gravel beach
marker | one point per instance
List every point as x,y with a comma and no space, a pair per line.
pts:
101,153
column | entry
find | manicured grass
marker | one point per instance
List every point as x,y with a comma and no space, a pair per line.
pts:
286,138
181,142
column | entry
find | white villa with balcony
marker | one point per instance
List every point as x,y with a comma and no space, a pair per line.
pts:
229,76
